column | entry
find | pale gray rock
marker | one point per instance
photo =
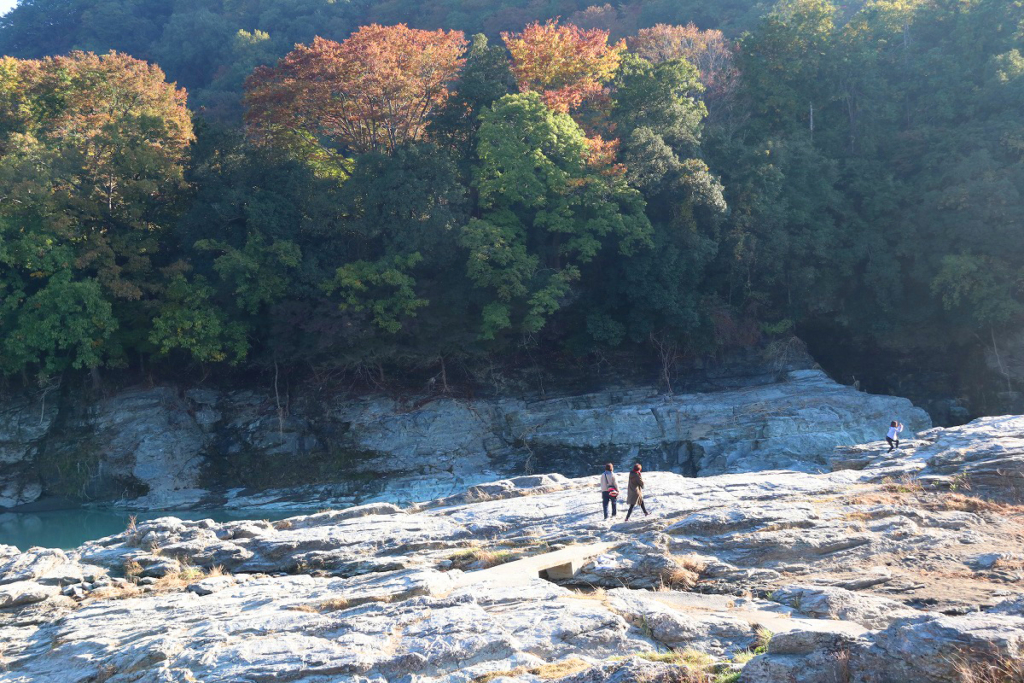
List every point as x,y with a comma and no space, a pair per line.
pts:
150,447
24,421
838,603
707,632
24,424
335,516
47,565
359,595
25,592
983,456
211,585
19,490
150,437
928,649
1013,606
805,657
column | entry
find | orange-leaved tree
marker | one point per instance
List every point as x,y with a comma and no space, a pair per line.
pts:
373,91
92,159
709,51
565,64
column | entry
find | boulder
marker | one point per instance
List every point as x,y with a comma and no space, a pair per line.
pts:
24,593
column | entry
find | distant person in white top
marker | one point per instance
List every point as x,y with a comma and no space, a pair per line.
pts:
893,437
609,489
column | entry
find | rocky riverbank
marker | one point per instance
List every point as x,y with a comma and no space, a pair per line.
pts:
165,448
905,568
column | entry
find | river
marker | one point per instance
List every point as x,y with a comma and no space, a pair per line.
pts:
68,529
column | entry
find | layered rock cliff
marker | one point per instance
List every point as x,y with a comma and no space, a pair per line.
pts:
891,568
166,448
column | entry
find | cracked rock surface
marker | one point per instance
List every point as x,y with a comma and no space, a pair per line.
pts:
904,568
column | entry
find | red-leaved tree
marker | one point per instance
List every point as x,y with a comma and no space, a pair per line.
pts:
567,65
373,91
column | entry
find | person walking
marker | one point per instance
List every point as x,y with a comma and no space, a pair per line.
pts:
609,489
636,491
893,437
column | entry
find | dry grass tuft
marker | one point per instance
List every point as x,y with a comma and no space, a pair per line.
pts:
548,672
685,572
981,667
905,484
763,638
903,493
878,498
188,573
960,502
339,603
333,605
122,592
598,594
302,608
132,535
556,670
1009,564
482,558
132,570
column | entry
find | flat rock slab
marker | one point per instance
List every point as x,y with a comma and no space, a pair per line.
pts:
759,613
558,565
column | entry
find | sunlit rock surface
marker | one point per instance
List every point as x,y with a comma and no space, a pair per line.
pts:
908,568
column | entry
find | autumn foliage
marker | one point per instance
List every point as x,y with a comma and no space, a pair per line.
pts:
121,133
89,97
709,51
92,154
567,65
374,91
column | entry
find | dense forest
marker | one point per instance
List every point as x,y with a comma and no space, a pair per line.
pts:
378,185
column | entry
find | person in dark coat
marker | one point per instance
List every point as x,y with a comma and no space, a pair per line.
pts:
636,491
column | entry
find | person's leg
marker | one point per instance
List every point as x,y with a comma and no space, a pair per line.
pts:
604,502
630,510
897,442
615,501
643,507
890,443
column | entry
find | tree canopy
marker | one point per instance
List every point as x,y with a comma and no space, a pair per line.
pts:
357,185
374,91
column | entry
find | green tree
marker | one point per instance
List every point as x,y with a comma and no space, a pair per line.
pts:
543,212
486,77
785,66
188,321
91,156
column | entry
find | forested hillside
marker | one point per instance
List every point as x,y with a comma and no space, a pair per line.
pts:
392,184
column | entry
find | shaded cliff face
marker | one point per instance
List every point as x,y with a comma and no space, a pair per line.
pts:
979,377
882,570
165,448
